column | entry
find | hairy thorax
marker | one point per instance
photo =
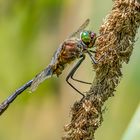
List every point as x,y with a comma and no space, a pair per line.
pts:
69,52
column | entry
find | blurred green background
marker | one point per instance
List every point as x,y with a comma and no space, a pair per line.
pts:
30,32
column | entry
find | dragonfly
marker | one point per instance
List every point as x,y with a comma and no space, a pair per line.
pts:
71,49
75,47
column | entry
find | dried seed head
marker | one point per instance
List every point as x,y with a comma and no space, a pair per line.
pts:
114,47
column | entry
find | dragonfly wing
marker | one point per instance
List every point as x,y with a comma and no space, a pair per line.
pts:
56,55
81,28
46,73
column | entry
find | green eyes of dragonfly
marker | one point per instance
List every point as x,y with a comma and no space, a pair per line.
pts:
85,37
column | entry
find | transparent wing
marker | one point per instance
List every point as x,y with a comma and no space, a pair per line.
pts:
81,28
46,73
56,55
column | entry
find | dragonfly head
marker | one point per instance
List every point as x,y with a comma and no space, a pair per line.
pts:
88,38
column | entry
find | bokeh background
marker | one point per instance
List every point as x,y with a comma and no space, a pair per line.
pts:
30,32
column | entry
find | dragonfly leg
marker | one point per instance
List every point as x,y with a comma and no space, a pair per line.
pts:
92,51
92,58
70,75
80,81
75,69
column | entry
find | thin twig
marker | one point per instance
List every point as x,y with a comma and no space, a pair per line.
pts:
115,43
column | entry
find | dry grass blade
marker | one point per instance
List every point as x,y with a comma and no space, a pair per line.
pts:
115,45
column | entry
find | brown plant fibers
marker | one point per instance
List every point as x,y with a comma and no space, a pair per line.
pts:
114,46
